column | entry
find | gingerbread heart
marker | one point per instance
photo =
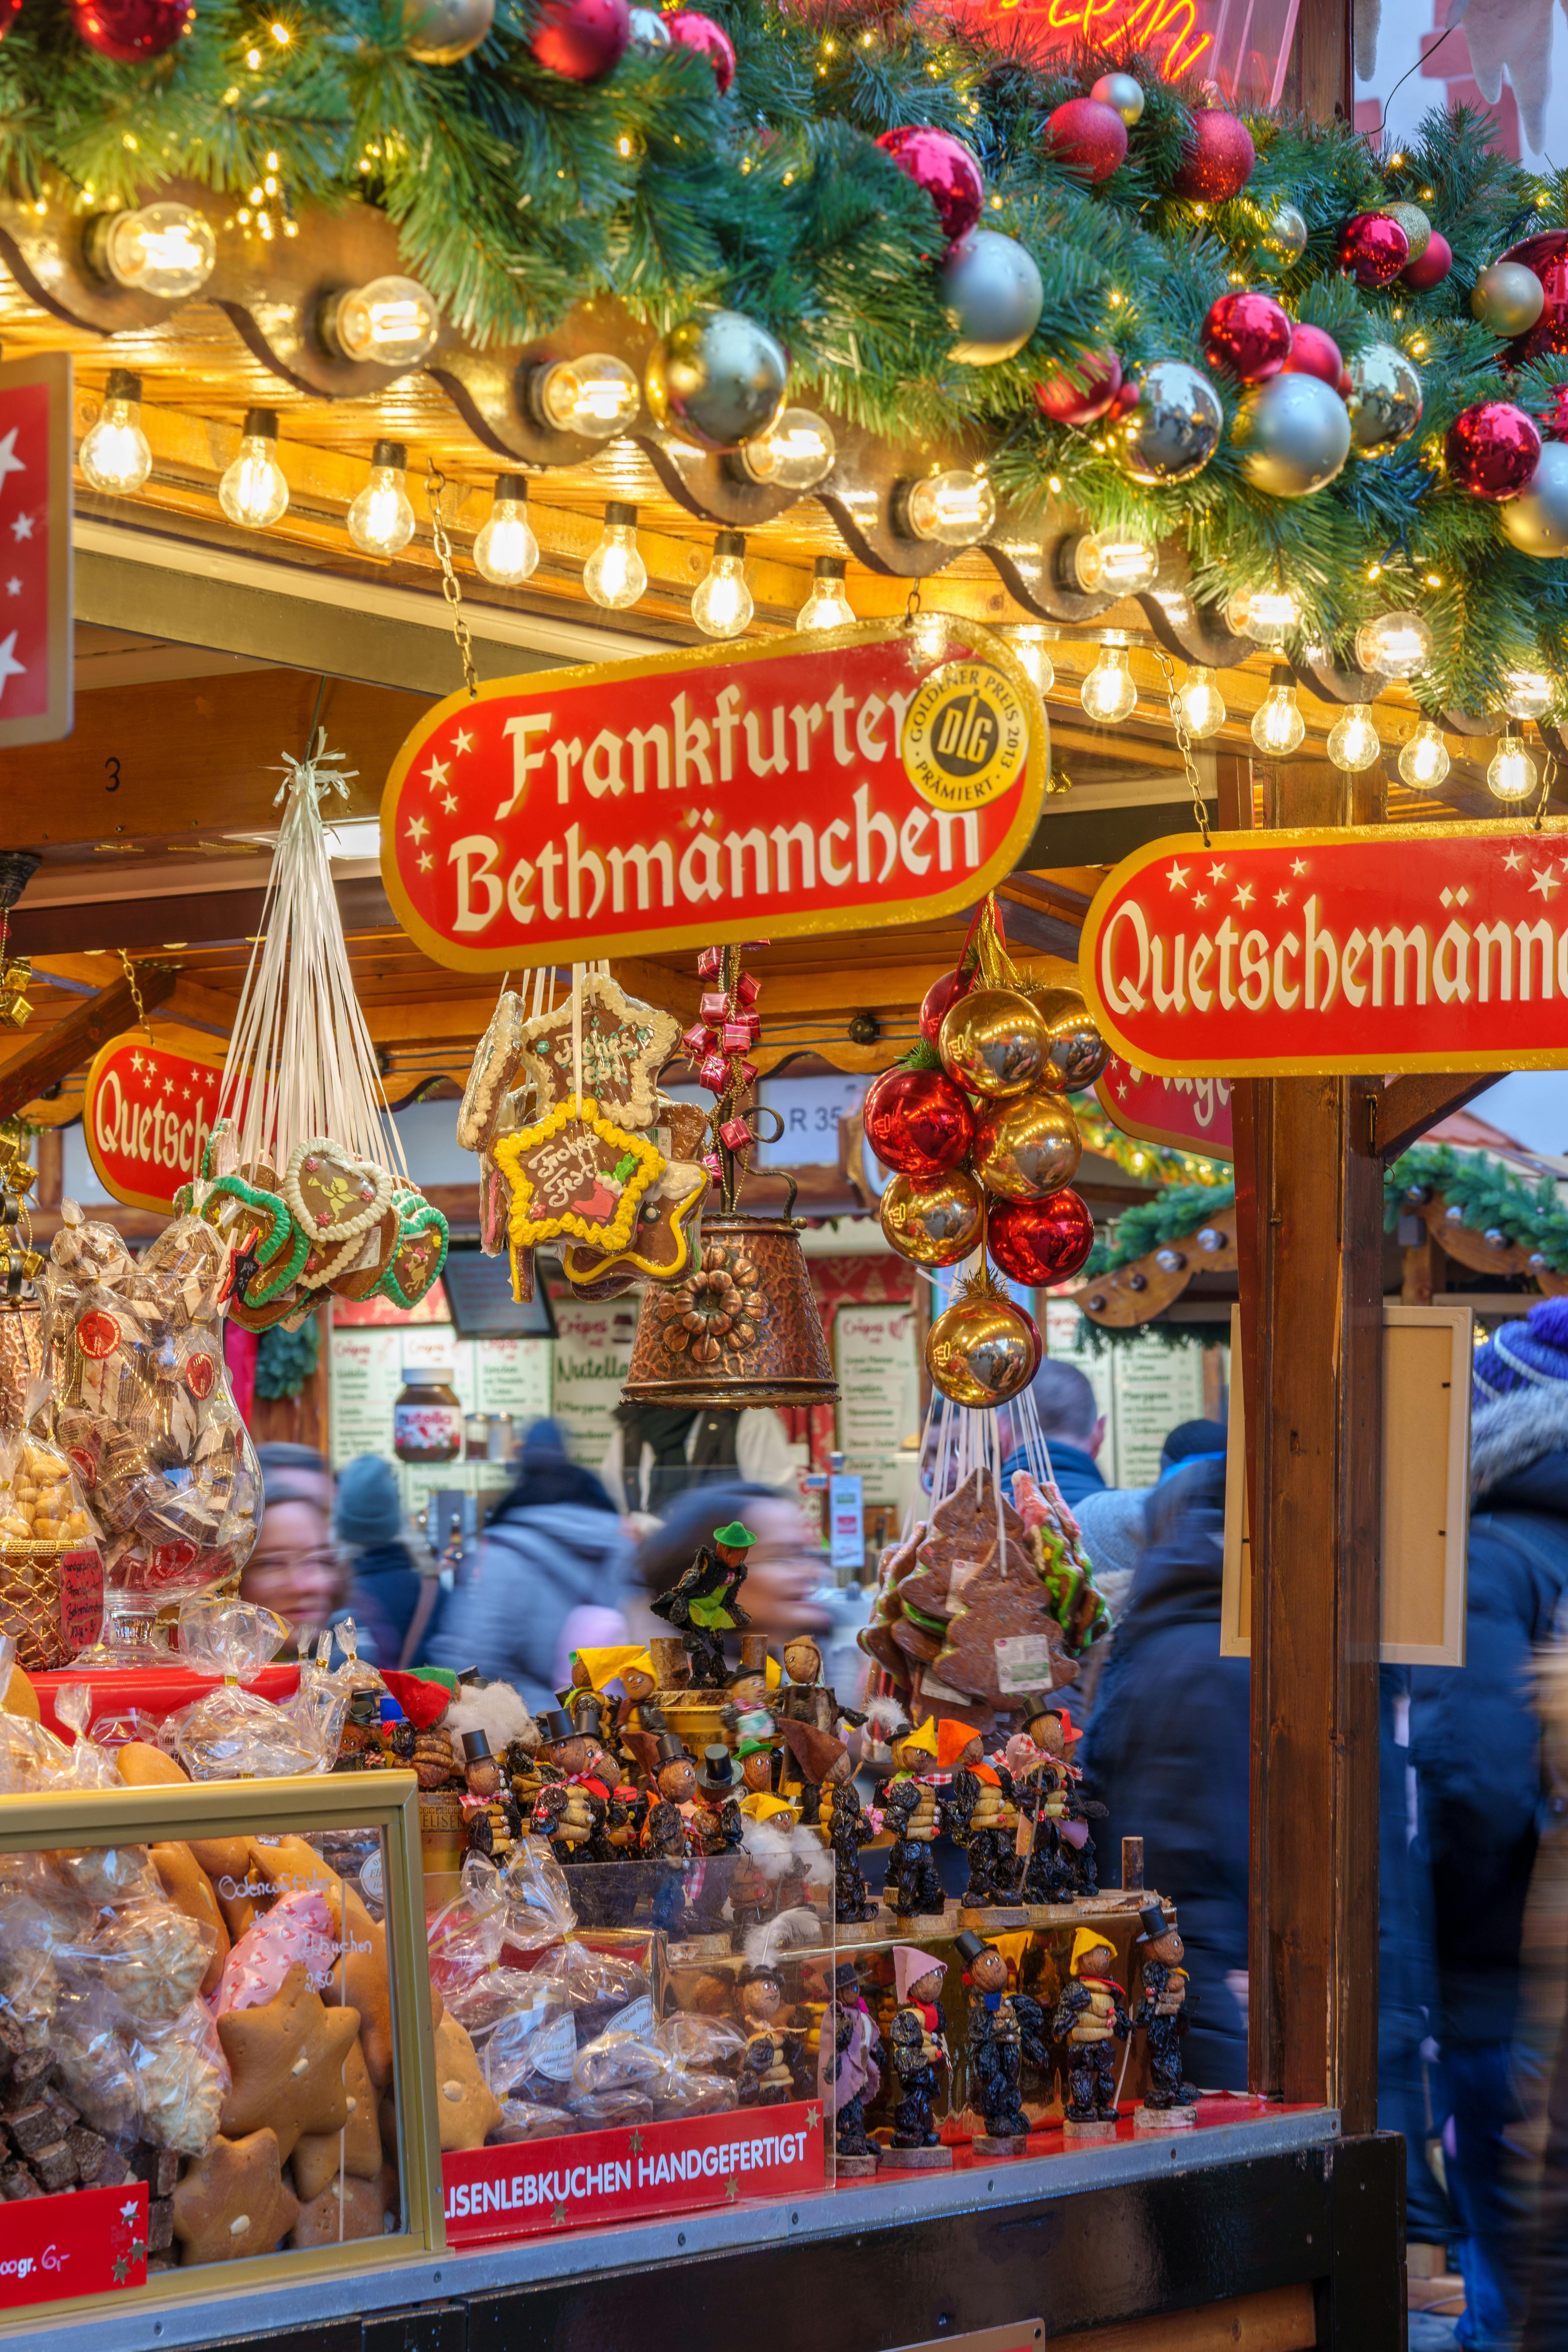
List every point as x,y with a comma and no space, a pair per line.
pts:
495,1065
234,2200
289,2059
367,1271
257,1223
420,1255
332,1194
687,1124
624,1046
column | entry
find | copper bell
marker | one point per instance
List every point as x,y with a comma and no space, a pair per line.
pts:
742,1331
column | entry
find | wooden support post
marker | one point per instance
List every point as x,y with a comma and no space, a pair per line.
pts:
1309,1232
51,1054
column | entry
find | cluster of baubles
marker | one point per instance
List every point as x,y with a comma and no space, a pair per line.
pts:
985,1148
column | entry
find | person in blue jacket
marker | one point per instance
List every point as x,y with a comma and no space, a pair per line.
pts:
395,1603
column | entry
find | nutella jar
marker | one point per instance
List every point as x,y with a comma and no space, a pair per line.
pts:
428,1419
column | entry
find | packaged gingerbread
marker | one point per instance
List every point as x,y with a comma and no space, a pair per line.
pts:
234,1733
51,1576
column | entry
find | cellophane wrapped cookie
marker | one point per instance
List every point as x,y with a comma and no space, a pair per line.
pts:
144,1408
233,1734
51,1576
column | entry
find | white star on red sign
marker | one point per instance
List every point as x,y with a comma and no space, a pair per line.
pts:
9,665
1297,866
1282,898
1200,897
1177,878
1513,861
1244,896
1217,873
1546,882
9,461
448,801
418,829
168,1085
436,774
427,863
136,1061
464,741
22,526
185,1094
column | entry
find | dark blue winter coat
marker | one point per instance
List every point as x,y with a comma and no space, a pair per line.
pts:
1475,1741
383,1592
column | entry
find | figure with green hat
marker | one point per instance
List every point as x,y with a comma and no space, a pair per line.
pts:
703,1606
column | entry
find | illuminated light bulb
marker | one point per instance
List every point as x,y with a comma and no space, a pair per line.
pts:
795,453
1029,647
1109,694
253,491
1424,759
1103,565
381,519
1278,725
927,639
392,321
1353,739
165,249
1528,694
615,574
950,509
1394,644
1512,776
826,606
597,396
1266,615
721,602
506,552
114,455
1201,704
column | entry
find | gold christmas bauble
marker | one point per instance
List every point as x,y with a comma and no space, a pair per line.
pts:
1415,224
1076,1053
934,1220
1027,1148
983,1350
994,1042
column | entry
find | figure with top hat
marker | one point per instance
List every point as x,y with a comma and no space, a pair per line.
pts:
1165,2003
666,1833
918,2038
914,1812
1091,2018
705,1604
494,1821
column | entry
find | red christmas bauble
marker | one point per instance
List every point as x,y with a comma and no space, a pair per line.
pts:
130,31
1374,249
1093,138
1216,162
1246,337
1065,404
582,40
1314,353
1548,257
1040,1241
935,1002
1432,265
695,31
9,11
917,1121
944,167
1492,450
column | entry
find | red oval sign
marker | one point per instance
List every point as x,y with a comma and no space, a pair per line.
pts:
148,1112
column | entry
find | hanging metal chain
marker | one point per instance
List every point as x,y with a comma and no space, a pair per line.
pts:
132,983
1183,743
451,586
1548,786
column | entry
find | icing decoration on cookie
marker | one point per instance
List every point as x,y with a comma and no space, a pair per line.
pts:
664,1239
421,1251
579,1175
625,1044
495,1065
332,1194
288,2059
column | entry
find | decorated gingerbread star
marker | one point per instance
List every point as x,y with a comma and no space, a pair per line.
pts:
233,2201
663,1240
466,2106
625,1044
581,1176
289,2059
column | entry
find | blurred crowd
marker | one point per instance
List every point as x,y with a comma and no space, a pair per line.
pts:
1473,2068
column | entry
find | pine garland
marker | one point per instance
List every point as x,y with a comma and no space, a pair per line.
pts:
517,194
1490,1198
1161,1162
1175,1210
286,1359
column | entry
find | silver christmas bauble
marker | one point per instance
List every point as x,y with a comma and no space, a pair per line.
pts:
1173,429
1294,434
1123,93
1508,298
1383,400
993,297
649,30
717,379
439,32
1536,522
1284,240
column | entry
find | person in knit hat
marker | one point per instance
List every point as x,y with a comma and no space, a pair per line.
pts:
395,1598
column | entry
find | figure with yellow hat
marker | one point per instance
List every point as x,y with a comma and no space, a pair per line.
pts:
981,1816
913,1811
705,1604
1091,2017
1004,2030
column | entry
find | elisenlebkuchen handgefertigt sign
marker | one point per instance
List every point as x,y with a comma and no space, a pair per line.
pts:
869,775
1438,947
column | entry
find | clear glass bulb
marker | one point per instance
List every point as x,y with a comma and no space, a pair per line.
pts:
1266,615
1424,759
615,574
1394,644
1278,725
392,321
165,249
1512,776
597,396
951,509
381,519
115,454
506,550
795,453
1201,704
1529,694
253,491
1108,692
721,602
827,604
1353,739
1029,647
1107,566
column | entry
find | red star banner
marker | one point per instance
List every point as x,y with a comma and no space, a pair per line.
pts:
35,549
874,774
1435,947
1184,1114
147,1112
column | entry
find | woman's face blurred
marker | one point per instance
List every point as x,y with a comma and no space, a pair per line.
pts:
783,1569
294,1568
